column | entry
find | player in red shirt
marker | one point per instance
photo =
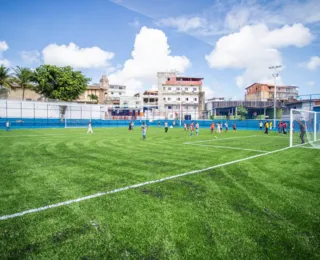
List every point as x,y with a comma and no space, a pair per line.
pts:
212,128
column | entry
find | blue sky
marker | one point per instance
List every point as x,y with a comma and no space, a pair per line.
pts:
230,43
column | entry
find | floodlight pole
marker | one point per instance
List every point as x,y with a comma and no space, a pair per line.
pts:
275,75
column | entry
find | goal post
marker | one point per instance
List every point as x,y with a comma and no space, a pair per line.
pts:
304,128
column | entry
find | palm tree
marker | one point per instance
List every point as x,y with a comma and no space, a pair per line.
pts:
93,97
23,78
5,79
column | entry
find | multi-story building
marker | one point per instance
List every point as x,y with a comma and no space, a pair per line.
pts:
128,102
115,92
149,97
180,95
265,92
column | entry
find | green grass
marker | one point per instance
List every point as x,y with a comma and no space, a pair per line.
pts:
263,208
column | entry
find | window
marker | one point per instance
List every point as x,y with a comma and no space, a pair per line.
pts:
120,93
194,89
178,88
187,99
168,79
111,93
169,98
164,99
186,89
164,88
195,99
169,88
178,99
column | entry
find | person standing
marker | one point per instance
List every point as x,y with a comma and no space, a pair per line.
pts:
212,128
8,126
284,126
218,128
144,131
130,127
234,127
90,128
270,126
174,123
191,129
197,128
226,126
159,124
185,126
260,125
266,127
302,131
165,127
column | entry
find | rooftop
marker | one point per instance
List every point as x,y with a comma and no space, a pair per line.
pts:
271,85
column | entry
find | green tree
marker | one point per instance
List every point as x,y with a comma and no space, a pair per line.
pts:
5,79
93,97
23,78
60,83
242,111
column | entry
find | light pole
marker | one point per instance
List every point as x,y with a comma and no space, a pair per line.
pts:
275,74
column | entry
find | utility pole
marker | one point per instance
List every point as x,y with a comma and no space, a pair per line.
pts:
275,74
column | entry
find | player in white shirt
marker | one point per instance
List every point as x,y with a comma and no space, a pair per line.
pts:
144,131
90,128
197,128
8,126
166,127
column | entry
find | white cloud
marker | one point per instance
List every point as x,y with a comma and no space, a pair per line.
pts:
313,63
209,92
184,24
255,48
230,15
73,55
3,47
135,23
30,56
151,54
311,83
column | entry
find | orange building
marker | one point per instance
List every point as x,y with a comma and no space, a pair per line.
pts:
265,92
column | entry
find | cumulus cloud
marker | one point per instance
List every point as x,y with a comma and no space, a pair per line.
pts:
254,49
30,56
313,63
3,47
151,54
73,55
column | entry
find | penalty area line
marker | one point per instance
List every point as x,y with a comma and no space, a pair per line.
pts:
99,194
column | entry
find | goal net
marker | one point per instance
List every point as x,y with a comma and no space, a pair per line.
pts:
304,128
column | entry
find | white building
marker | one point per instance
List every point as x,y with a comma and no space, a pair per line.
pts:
131,102
180,95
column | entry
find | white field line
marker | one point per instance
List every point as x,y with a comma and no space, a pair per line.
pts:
309,147
229,147
99,194
221,139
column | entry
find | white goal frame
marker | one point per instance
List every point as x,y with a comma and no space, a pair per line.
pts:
314,126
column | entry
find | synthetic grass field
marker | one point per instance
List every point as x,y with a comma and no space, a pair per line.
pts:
266,207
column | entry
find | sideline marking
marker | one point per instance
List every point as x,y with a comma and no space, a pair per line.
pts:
99,194
229,147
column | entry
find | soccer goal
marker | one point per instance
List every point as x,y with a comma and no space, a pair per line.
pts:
304,128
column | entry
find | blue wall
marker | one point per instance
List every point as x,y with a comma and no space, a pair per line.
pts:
17,123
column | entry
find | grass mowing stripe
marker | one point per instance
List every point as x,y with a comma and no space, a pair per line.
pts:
99,194
221,139
228,147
